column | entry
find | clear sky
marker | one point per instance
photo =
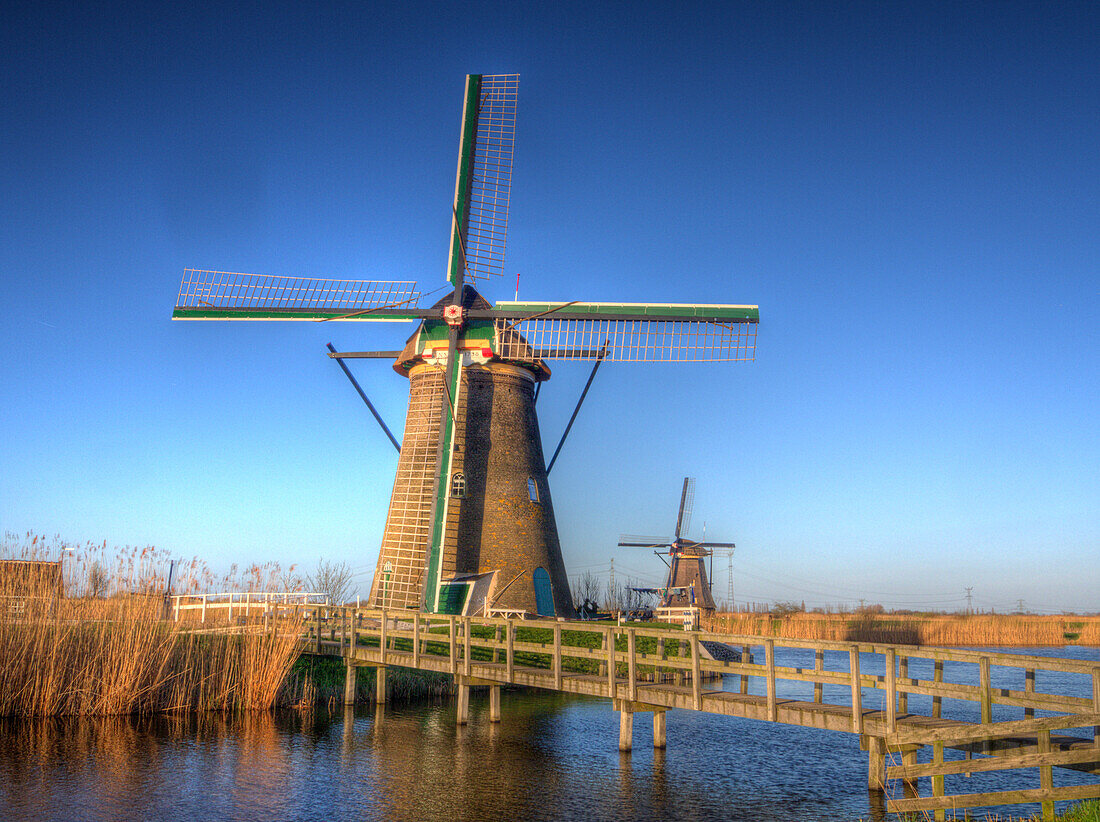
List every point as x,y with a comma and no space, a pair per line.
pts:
910,192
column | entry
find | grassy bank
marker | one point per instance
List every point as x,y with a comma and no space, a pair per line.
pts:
918,629
319,680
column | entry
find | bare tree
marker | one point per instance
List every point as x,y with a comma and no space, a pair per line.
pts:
97,580
331,578
587,592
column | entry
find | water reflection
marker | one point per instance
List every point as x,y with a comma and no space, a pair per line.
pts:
551,757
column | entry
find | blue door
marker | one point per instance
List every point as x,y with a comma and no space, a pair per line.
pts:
544,596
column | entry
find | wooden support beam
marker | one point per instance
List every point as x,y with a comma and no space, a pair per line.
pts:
462,711
903,694
857,690
466,646
382,638
494,703
1046,775
769,662
659,740
876,764
696,674
380,685
937,781
631,666
610,642
416,640
350,671
557,656
626,731
937,677
510,651
891,691
746,657
819,666
453,644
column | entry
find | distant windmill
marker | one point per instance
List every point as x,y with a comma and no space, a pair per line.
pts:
688,586
471,497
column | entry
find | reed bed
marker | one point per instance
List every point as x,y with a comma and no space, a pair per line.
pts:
1005,630
89,637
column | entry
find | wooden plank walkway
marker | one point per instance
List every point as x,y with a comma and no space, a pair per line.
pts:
605,661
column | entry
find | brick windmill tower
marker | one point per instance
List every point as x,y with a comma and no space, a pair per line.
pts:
471,523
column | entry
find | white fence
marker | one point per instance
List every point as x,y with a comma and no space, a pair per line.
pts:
243,603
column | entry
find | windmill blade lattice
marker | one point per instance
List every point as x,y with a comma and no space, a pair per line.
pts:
640,333
231,291
491,176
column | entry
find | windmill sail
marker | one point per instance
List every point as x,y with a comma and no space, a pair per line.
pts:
211,295
632,332
491,176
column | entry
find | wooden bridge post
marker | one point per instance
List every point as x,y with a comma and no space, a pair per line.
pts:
769,661
1096,705
1029,688
819,666
496,640
937,781
1046,775
462,713
696,674
937,676
876,764
903,695
466,646
452,642
631,667
685,649
891,691
602,670
746,657
344,647
350,672
510,651
660,657
494,703
382,638
626,729
416,639
317,623
610,643
659,736
857,690
380,685
987,691
203,618
557,656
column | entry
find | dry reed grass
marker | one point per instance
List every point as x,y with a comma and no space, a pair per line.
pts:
935,629
99,645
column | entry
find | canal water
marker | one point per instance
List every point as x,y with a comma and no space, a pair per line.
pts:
553,757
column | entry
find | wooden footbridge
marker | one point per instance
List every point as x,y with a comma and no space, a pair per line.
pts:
645,668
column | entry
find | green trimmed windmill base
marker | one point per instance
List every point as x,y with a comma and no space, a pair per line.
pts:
471,525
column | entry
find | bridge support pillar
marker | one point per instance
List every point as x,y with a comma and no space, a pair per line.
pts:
876,763
462,713
494,703
380,685
658,729
350,671
626,730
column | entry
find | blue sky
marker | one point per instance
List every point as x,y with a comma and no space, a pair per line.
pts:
910,192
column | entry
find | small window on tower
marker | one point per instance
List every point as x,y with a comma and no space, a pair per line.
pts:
532,490
458,485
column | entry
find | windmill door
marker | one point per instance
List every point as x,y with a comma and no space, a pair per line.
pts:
544,596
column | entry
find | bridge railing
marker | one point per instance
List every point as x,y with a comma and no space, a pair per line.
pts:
670,652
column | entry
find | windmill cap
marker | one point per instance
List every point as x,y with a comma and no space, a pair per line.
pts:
434,331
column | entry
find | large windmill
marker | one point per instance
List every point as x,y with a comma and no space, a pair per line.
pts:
470,515
687,590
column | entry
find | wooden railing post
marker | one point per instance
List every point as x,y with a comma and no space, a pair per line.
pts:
203,619
937,781
557,656
1096,705
509,651
382,637
903,695
416,639
819,667
602,671
496,651
746,658
317,623
891,691
769,661
696,673
660,656
1046,774
344,647
987,691
610,642
937,676
452,641
466,625
631,666
857,690
1029,688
